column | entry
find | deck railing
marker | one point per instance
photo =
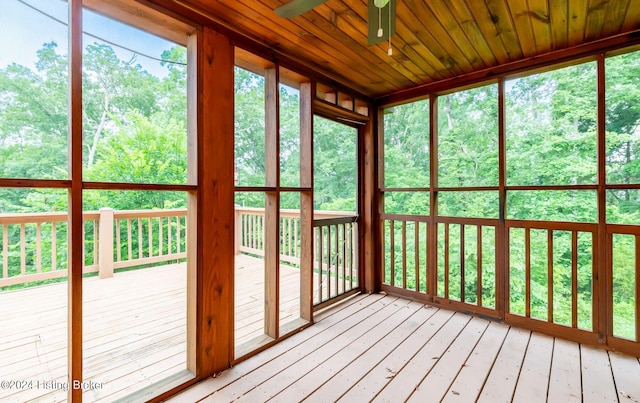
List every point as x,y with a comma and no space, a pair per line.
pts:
541,275
34,244
335,249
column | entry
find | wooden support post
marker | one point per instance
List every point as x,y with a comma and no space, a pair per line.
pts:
369,250
194,124
502,248
215,204
105,246
602,270
272,206
432,241
75,225
307,94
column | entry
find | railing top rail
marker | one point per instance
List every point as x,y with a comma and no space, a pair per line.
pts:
29,218
34,218
296,213
552,225
334,221
120,214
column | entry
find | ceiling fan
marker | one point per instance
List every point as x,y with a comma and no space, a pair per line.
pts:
381,16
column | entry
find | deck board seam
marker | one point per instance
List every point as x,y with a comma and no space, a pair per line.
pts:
369,317
369,349
414,355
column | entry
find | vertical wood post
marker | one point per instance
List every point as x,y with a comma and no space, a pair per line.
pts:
307,94
432,241
369,250
194,125
215,204
105,245
602,271
502,248
75,225
272,203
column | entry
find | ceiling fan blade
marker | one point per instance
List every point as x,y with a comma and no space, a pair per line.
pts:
379,18
296,7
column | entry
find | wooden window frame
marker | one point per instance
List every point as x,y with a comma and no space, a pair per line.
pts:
601,333
194,39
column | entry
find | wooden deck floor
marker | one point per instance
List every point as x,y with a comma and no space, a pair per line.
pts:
381,348
134,329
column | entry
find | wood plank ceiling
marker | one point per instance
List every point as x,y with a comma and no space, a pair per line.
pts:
435,39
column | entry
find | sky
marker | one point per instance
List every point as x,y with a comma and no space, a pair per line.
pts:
23,31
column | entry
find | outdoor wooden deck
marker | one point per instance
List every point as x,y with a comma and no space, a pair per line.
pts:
134,329
384,348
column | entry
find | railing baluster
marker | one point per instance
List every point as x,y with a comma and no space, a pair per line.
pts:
96,240
254,232
150,238
404,254
296,250
139,220
38,247
5,251
160,237
416,262
54,248
23,257
446,260
462,266
119,252
550,276
355,274
344,257
337,260
426,257
392,248
178,233
527,271
320,262
169,240
129,239
574,278
637,281
245,230
329,262
479,266
290,236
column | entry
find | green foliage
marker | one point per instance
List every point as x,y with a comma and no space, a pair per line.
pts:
135,127
551,139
